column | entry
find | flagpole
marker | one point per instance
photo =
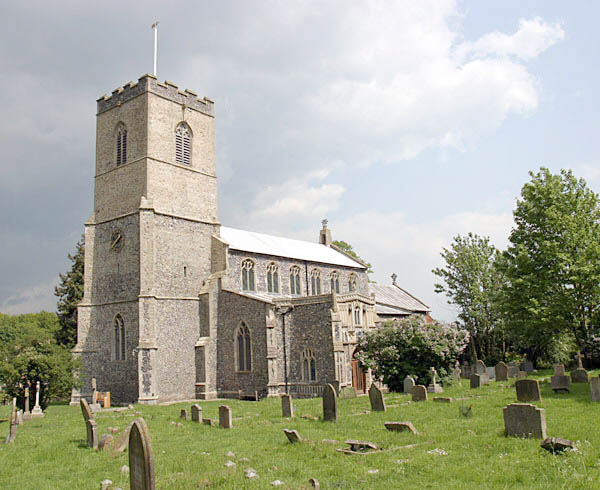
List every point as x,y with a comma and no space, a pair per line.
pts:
155,27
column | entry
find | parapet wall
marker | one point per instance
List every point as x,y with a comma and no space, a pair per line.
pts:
149,83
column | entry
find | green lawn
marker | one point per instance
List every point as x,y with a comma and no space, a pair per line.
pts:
449,452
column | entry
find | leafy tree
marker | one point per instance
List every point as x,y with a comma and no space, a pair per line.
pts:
346,247
29,353
410,346
472,283
552,264
69,293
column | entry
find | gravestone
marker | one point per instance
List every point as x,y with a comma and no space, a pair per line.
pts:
330,412
287,406
434,387
141,461
400,427
557,444
442,399
522,374
501,371
455,375
292,435
560,384
491,372
478,380
121,443
225,419
595,389
480,367
26,399
37,410
524,420
376,399
348,392
409,382
559,370
20,417
419,393
513,370
579,375
183,414
526,366
196,413
465,370
528,390
105,441
12,430
92,433
85,410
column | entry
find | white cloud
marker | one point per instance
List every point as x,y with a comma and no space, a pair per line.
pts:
30,299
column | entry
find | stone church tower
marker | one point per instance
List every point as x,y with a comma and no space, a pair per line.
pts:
148,242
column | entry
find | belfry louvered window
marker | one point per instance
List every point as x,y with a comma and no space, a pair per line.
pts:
183,145
121,144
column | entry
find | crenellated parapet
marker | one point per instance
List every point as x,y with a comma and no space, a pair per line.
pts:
149,83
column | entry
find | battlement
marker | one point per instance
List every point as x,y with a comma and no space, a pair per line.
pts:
168,90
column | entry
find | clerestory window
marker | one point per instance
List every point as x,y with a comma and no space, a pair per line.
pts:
295,280
273,278
352,282
315,282
248,282
335,282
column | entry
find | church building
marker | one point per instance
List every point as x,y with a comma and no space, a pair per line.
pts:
177,306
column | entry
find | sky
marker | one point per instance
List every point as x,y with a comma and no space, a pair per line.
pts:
404,123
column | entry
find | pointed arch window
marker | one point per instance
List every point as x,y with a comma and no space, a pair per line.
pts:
243,350
121,144
273,278
309,366
119,336
335,282
357,316
295,280
183,144
248,282
315,282
352,282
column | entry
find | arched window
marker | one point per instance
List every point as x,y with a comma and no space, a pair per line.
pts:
119,331
121,144
248,283
183,144
352,281
335,282
295,280
309,368
357,316
272,278
243,351
315,282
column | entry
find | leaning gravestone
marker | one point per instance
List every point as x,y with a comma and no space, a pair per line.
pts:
376,399
141,461
480,367
287,406
409,382
524,420
85,410
595,389
528,390
329,404
501,371
419,393
292,435
196,413
225,419
526,366
92,433
513,370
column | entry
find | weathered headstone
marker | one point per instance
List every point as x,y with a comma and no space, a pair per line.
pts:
526,366
330,412
528,390
595,389
579,375
409,382
105,441
287,406
196,413
400,427
92,433
501,371
347,392
522,375
491,372
466,370
12,430
209,422
560,384
513,370
480,367
225,420
557,444
141,461
524,420
376,399
37,410
559,370
85,409
442,399
478,380
434,387
26,399
419,393
19,417
94,391
292,435
183,414
123,440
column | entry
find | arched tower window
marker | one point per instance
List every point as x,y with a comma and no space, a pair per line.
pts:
315,282
183,144
295,280
352,282
309,367
357,316
121,144
248,283
272,278
335,282
119,332
243,350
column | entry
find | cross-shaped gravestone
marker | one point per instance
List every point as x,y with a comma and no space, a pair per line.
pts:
579,357
434,387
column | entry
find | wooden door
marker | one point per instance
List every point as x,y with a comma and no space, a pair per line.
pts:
358,377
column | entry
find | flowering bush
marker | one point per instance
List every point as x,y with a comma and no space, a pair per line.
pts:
411,347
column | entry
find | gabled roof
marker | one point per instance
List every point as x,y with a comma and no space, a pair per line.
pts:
248,241
397,298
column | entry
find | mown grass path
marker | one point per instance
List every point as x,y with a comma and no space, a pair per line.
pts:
449,452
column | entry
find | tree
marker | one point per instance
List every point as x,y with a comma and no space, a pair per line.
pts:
69,293
410,346
552,264
347,248
472,283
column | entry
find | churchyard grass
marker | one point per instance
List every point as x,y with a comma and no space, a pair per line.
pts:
449,451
